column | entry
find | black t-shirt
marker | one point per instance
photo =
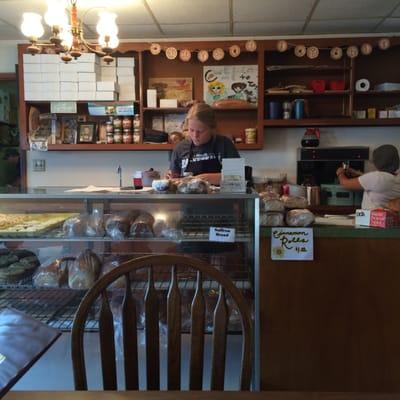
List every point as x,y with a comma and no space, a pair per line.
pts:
216,149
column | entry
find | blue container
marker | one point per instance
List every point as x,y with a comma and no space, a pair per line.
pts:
274,110
299,108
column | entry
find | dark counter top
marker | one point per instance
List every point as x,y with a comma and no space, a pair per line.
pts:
335,231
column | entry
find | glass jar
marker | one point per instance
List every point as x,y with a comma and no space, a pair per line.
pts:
126,123
136,121
110,139
117,123
109,127
136,137
127,137
117,136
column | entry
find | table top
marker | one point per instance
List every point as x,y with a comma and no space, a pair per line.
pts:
170,395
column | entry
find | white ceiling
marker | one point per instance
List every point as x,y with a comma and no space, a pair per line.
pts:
222,18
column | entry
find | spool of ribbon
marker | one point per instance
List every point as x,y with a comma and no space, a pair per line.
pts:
362,85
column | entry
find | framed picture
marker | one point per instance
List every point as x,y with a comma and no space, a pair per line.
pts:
173,88
69,129
86,132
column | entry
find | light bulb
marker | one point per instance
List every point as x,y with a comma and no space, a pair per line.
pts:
55,14
113,42
66,37
32,25
107,25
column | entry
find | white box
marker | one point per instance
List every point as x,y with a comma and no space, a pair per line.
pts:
126,92
107,86
36,68
69,77
53,68
73,96
87,77
125,62
86,95
127,79
32,86
113,63
52,96
33,96
50,77
106,96
88,67
49,58
125,71
69,87
48,87
363,217
30,59
108,73
394,113
87,86
151,98
88,58
108,78
32,77
168,103
67,67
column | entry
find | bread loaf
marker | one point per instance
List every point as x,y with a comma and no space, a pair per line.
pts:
272,219
142,227
299,218
52,274
294,201
118,225
84,271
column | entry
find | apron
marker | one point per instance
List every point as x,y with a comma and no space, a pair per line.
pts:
204,166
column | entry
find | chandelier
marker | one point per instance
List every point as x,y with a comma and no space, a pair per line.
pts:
67,37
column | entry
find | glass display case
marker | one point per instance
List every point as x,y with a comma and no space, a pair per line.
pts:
46,233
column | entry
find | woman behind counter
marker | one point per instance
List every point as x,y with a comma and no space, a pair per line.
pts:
379,186
202,153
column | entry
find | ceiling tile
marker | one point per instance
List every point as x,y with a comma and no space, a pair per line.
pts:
204,30
267,28
271,10
131,31
389,25
342,26
129,12
193,11
344,9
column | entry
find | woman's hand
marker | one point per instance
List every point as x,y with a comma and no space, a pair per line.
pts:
171,175
340,171
213,178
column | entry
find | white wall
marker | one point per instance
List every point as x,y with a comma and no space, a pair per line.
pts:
279,155
8,55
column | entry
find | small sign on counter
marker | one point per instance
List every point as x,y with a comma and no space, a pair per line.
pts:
292,244
218,234
63,107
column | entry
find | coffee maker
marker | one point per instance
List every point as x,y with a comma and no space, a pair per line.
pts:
318,165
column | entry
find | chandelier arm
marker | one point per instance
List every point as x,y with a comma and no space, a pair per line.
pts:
92,49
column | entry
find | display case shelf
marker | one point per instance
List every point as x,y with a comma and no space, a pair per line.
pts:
331,122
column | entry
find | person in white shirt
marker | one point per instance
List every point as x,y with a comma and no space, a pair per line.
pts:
379,186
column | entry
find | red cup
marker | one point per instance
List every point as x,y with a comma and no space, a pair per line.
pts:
318,85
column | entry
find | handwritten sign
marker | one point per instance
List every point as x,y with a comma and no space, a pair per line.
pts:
63,107
221,234
292,244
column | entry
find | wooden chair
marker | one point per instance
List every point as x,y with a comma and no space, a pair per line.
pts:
151,309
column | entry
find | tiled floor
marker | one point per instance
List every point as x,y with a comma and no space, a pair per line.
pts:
54,370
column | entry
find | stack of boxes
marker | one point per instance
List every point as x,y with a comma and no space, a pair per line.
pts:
48,78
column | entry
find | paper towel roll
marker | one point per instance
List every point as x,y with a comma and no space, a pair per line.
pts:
362,85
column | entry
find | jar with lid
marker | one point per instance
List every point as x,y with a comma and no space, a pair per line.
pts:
136,121
136,136
126,123
127,137
109,127
110,139
117,136
117,123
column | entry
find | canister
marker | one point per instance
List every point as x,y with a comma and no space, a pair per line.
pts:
109,127
127,137
126,123
250,135
299,108
274,110
117,123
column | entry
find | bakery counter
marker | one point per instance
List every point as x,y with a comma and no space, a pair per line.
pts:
332,323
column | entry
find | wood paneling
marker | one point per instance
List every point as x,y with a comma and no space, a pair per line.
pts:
332,323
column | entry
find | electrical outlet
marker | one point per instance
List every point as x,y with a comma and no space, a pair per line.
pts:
39,165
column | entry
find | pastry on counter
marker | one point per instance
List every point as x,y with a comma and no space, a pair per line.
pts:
300,218
294,201
272,219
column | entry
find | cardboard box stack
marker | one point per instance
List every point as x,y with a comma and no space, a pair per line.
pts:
48,78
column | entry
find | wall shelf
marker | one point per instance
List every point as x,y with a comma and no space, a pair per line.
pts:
331,122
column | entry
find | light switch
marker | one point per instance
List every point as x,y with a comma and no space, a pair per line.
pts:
39,165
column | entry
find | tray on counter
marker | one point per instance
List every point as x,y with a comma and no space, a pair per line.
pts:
30,225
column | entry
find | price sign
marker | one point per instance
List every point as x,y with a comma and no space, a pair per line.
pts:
63,107
292,244
222,234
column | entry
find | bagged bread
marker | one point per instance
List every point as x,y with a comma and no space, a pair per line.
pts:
142,227
75,226
294,201
299,218
193,186
272,205
84,270
111,263
95,224
272,219
118,225
53,274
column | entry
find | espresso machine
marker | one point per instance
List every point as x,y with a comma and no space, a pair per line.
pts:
316,166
